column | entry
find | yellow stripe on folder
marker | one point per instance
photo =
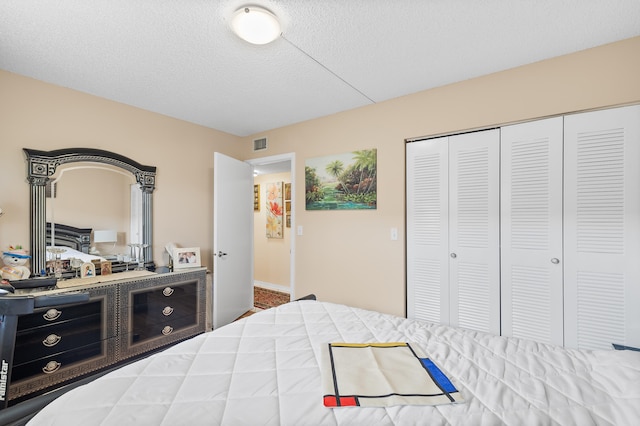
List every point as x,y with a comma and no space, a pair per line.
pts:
368,345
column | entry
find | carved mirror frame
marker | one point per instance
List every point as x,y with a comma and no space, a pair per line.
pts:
41,166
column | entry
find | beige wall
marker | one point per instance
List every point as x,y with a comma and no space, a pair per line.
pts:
348,256
271,255
37,115
342,256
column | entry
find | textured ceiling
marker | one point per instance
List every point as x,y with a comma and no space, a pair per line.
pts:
179,58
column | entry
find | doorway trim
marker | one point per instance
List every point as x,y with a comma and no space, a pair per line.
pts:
291,157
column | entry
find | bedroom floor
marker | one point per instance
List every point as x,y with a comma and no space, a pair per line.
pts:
264,299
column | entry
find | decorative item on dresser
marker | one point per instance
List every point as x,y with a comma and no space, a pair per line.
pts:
186,257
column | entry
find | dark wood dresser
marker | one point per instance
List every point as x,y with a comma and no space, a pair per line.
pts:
122,320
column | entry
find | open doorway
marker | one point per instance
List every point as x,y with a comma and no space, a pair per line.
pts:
274,264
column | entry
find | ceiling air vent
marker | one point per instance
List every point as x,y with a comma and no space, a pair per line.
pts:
260,144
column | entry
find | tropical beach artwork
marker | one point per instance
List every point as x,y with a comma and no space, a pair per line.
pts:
342,182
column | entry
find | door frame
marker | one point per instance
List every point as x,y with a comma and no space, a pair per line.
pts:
291,157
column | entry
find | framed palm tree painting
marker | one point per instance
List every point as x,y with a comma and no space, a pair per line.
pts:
345,181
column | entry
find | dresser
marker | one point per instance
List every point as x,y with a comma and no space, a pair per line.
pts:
122,320
157,313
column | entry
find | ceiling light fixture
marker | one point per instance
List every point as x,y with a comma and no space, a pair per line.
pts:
255,25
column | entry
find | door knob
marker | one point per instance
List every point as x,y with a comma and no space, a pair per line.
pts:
555,260
453,255
221,254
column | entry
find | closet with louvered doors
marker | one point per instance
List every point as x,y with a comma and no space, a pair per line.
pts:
530,231
570,225
453,256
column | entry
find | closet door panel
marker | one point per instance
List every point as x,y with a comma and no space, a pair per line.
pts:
427,224
474,232
602,228
531,230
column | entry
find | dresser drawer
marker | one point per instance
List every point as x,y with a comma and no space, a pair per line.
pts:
143,301
161,312
147,327
166,307
47,316
58,362
44,341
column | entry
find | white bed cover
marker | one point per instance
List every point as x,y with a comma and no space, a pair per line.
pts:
70,253
264,370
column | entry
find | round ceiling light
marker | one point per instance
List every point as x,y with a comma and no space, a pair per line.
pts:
255,25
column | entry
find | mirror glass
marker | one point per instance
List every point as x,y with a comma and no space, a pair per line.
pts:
100,197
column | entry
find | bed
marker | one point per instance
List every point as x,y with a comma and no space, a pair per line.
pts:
61,235
265,369
75,242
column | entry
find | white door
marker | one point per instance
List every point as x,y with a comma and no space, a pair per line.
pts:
232,239
453,253
427,230
474,230
602,228
531,230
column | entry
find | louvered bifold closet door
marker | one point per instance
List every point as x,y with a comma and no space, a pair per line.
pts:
427,230
474,230
531,230
602,228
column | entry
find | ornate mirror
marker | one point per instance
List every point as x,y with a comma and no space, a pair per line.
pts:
41,169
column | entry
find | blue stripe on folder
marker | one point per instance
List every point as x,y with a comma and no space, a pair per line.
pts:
438,376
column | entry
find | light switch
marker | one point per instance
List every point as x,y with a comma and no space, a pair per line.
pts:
299,229
394,234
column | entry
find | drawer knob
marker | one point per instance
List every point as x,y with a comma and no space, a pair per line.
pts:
52,314
167,330
168,291
168,310
51,340
51,367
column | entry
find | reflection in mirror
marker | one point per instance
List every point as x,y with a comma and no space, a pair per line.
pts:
101,197
83,189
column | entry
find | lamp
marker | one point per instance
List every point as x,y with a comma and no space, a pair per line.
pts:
105,236
255,25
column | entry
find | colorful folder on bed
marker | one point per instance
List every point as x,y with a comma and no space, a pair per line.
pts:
382,374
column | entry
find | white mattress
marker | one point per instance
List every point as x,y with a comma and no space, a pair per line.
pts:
264,370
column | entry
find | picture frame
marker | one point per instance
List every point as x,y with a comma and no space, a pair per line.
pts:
287,191
256,197
58,266
346,181
186,257
105,267
274,213
88,269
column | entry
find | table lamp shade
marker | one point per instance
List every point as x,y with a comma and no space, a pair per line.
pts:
105,236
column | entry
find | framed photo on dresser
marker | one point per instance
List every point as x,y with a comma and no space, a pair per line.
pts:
186,257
